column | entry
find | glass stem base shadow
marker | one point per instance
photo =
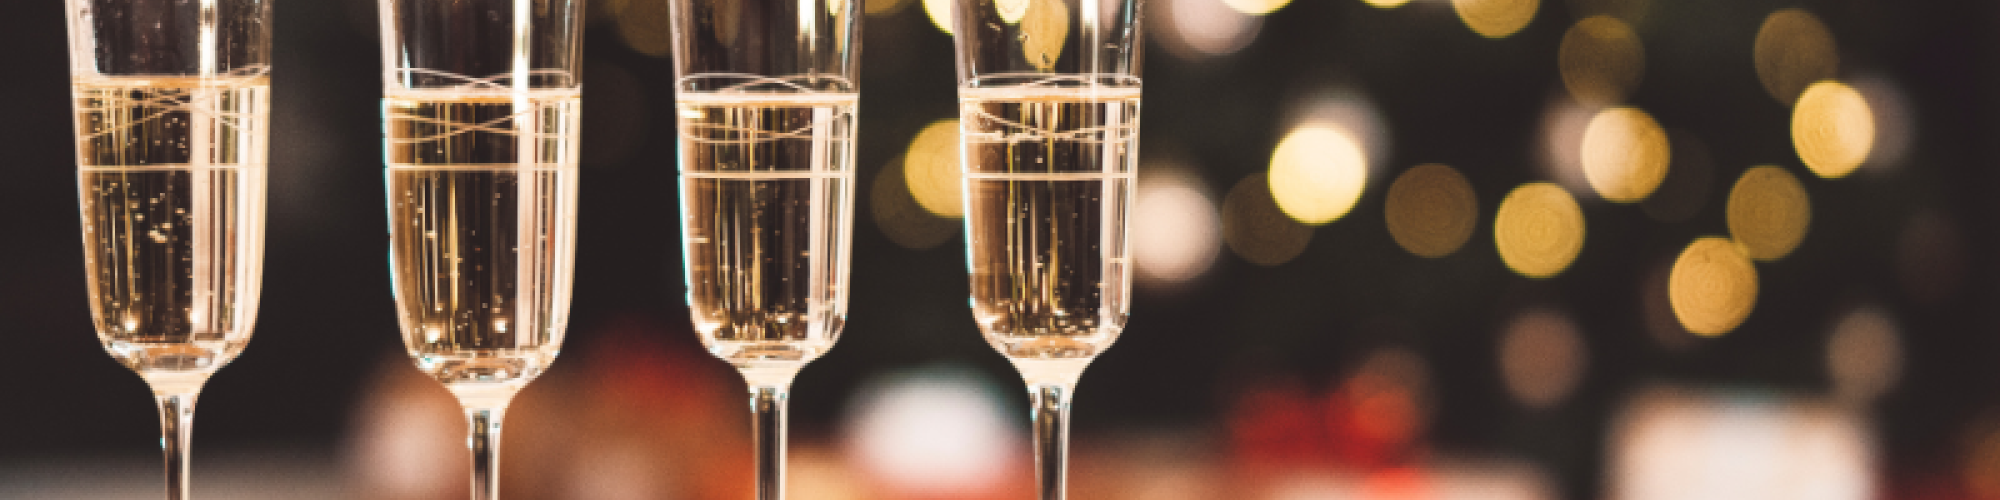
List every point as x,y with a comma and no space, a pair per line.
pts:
767,432
1050,418
485,444
176,433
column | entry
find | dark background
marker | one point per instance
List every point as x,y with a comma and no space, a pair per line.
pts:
1444,94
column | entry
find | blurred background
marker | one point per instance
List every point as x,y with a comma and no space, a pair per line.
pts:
1387,249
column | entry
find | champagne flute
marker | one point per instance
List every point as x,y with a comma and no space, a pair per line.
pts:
480,129
171,150
1049,114
766,100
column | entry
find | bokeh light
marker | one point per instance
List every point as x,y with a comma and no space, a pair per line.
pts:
1768,212
1601,59
1347,109
930,168
1176,232
1256,229
1793,50
1832,128
1671,444
1318,172
1044,31
1385,4
1539,229
1864,355
1542,357
399,447
1431,210
899,215
644,26
1625,154
932,433
1713,287
1496,18
1200,29
1257,7
1387,401
940,13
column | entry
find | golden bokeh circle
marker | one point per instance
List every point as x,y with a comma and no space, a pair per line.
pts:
1833,129
1317,173
930,168
1539,229
1385,4
1713,286
1496,18
1625,154
1601,60
1256,229
1793,50
1768,212
1542,357
1431,210
1864,355
1176,230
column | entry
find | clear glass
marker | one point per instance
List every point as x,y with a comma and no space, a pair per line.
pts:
480,115
172,102
766,95
1049,135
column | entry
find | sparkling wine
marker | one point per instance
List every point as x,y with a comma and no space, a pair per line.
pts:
1049,179
767,199
482,203
171,179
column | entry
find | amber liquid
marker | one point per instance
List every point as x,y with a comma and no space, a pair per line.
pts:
482,208
171,183
767,197
1049,180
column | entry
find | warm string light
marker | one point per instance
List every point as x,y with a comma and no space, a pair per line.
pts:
1625,154
1431,210
1768,212
1832,128
1538,229
1713,286
1318,172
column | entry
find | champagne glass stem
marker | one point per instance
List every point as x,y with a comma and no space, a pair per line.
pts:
767,416
485,444
176,429
1051,422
